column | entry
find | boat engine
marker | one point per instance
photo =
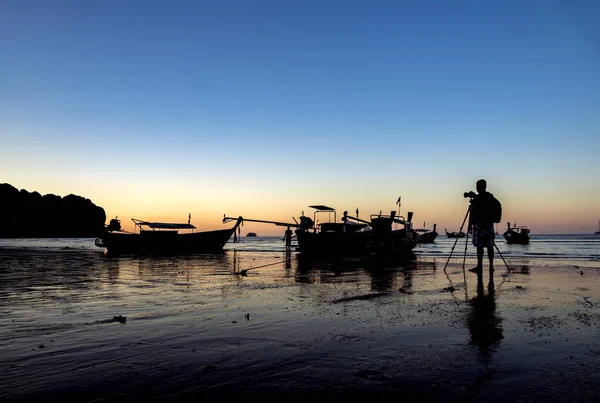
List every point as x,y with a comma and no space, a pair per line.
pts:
114,225
306,223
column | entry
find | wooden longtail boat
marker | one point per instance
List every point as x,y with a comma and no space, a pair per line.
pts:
455,234
427,236
517,234
326,237
157,237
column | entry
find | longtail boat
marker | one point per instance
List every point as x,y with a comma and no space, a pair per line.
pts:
159,237
324,236
426,235
454,234
517,234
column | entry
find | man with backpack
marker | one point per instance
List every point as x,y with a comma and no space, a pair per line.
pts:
485,211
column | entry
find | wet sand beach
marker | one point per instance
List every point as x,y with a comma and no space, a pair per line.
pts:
84,326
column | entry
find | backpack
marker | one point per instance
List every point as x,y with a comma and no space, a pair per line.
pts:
495,210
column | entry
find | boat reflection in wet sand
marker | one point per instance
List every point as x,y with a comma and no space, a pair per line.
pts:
322,235
157,237
517,234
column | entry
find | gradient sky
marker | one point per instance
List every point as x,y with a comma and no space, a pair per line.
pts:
157,109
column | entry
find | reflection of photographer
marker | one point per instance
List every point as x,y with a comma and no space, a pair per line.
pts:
485,211
484,323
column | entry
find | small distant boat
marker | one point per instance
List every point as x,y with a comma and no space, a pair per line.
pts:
517,234
454,234
158,237
251,234
425,235
598,232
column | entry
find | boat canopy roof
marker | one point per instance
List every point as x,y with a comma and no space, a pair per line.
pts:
162,225
321,207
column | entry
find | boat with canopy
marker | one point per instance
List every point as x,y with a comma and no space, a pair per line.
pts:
324,236
163,237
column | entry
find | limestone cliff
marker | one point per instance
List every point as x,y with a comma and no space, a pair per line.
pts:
24,214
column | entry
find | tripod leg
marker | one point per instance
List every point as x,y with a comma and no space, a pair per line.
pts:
449,256
463,266
460,230
498,250
465,254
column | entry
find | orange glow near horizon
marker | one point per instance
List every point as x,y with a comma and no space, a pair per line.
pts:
451,219
572,210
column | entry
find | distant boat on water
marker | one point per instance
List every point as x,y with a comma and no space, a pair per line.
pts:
455,234
517,234
251,234
426,235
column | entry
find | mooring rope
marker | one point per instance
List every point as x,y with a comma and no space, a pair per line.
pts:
264,265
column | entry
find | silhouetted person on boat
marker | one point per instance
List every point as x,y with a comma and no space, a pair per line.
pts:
485,211
288,238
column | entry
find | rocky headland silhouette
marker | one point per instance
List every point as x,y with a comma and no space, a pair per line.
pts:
31,215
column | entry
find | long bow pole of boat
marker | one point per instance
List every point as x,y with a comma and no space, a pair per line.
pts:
278,223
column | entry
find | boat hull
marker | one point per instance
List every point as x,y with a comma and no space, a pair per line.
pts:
428,237
332,243
336,244
165,241
514,237
455,234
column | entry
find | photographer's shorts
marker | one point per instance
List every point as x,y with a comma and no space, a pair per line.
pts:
483,235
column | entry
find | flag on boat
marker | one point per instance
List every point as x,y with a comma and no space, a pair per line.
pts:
357,212
398,201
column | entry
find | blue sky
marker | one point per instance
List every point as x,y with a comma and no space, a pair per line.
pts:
262,108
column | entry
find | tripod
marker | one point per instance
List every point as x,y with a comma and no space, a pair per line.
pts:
467,241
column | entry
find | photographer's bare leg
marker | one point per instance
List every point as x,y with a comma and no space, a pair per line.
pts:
490,250
479,268
480,258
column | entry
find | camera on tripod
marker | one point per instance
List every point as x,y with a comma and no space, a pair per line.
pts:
470,194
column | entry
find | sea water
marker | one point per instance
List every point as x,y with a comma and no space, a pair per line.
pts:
549,248
561,247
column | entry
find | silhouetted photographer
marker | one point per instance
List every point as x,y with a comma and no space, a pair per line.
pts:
485,211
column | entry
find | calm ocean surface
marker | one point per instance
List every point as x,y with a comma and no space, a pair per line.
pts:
551,247
559,249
